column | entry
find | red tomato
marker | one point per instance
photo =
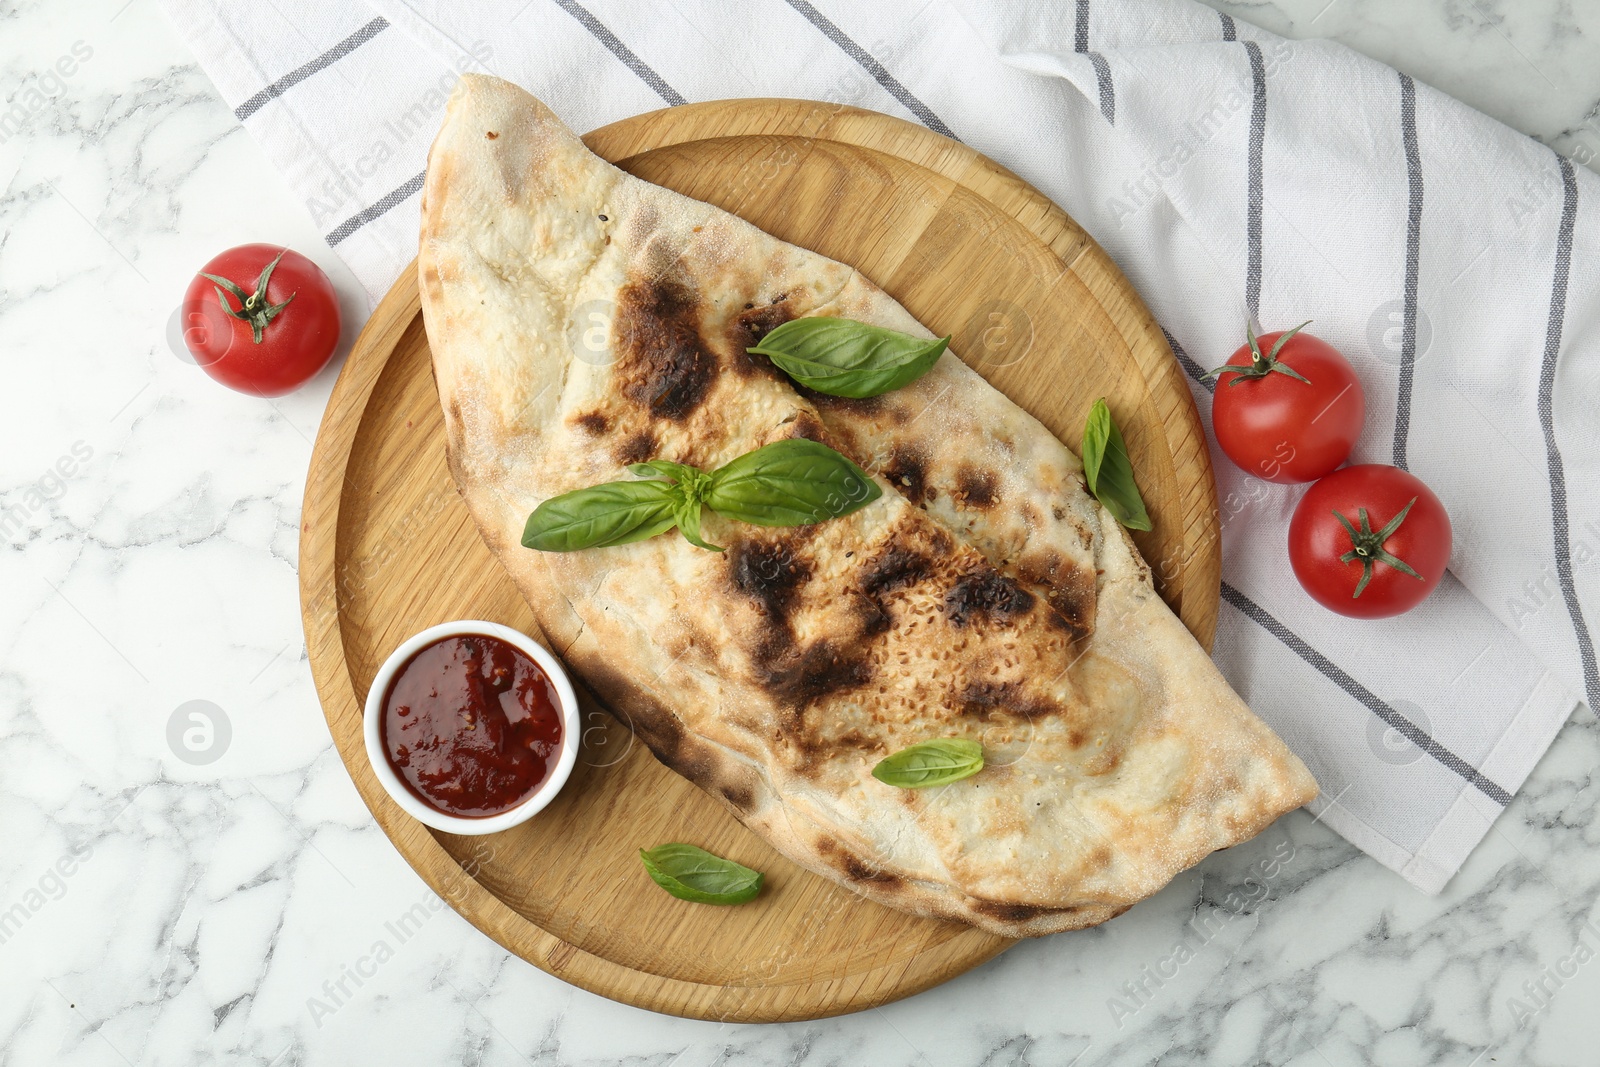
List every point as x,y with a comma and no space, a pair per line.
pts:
1292,411
1396,525
261,319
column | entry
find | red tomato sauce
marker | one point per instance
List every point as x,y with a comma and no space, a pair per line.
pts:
472,725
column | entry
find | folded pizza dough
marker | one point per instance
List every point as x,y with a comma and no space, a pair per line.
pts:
581,319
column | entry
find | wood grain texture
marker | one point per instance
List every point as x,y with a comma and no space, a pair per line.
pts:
387,548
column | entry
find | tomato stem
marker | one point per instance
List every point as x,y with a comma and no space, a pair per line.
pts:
1367,546
253,307
1262,365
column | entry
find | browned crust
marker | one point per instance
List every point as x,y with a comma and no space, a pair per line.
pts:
667,388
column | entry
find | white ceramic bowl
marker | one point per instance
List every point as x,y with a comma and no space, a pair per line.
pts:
402,794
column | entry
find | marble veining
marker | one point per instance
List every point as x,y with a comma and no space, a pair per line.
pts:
156,908
1529,63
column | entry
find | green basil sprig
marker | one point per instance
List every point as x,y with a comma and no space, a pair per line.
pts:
793,482
615,513
789,483
688,494
842,357
936,762
1109,471
691,873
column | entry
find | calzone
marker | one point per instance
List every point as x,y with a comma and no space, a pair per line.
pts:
582,320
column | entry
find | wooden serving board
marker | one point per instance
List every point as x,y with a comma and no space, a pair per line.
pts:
387,548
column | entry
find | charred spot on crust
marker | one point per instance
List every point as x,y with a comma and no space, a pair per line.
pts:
592,423
662,733
689,761
748,328
985,701
773,573
1003,911
894,568
770,573
980,699
986,594
821,669
976,488
664,365
857,871
740,797
1071,612
870,405
991,699
794,675
756,322
636,448
871,616
806,425
650,720
907,472
852,866
1069,590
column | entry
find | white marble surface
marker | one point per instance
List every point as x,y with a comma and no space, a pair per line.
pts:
1532,64
158,911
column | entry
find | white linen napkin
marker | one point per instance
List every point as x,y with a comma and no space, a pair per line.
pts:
1230,173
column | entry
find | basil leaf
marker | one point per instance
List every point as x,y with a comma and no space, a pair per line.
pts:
787,483
1109,471
686,510
691,873
687,495
842,357
937,762
793,482
614,513
663,468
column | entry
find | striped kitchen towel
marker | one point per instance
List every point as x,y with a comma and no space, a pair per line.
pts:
1232,174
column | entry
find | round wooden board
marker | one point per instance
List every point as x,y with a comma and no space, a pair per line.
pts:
387,548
